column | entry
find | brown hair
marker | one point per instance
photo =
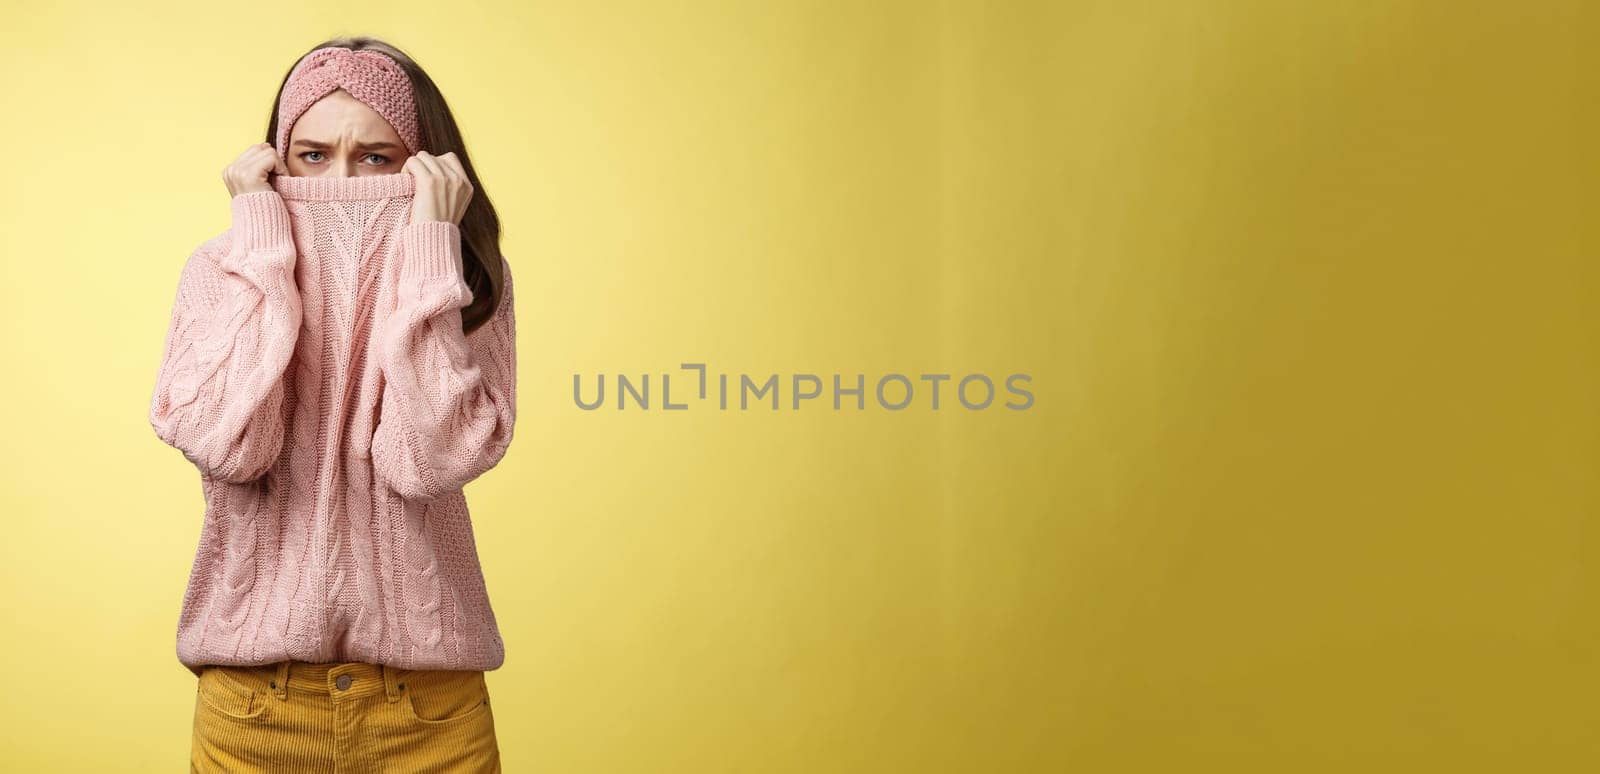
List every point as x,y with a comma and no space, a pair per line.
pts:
480,226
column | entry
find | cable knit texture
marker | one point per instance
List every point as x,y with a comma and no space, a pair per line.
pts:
316,374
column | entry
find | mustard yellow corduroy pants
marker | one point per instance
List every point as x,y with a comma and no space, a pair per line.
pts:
344,717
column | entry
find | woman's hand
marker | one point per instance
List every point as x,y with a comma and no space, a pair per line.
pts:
248,173
443,189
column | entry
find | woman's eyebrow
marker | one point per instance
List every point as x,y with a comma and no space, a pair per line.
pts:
318,145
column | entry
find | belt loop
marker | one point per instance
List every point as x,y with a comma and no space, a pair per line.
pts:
280,685
391,682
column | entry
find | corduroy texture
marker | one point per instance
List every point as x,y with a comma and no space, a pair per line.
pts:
369,76
311,718
316,374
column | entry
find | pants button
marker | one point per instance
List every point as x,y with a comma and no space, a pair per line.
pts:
343,682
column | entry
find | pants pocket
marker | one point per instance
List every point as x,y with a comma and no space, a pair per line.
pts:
441,697
231,693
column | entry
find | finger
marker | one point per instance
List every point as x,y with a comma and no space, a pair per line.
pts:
278,167
431,164
453,164
267,160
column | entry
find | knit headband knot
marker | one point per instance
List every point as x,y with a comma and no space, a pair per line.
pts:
369,76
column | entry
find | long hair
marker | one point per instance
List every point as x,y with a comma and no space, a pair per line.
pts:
480,226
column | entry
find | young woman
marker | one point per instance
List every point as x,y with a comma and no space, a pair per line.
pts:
339,364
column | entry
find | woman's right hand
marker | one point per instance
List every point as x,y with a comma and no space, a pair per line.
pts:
248,173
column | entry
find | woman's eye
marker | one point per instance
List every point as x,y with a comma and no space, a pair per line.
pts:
306,156
380,159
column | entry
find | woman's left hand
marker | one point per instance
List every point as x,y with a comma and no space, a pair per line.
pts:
443,189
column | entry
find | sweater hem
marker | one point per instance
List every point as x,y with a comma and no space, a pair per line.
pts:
195,661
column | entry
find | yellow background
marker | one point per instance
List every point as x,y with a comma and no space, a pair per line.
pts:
1307,291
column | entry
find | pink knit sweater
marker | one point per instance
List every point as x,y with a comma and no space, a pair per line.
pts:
316,373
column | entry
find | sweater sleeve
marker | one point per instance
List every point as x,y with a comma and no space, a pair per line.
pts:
219,395
449,399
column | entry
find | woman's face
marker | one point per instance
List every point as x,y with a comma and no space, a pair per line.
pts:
340,136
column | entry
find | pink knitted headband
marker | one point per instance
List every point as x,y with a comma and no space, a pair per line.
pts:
369,76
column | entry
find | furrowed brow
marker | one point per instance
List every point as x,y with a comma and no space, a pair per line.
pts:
364,146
